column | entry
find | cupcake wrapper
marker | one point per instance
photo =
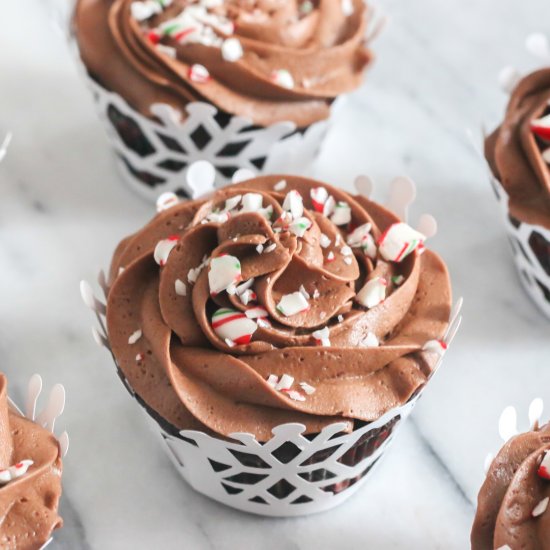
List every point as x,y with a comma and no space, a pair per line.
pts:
154,155
531,250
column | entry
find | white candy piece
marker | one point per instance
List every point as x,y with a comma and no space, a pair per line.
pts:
309,390
341,214
270,248
299,226
435,346
357,236
134,337
141,11
373,293
247,296
294,204
322,336
166,201
324,241
370,341
224,272
347,7
199,73
294,395
233,325
291,304
282,78
544,468
260,249
285,383
13,472
398,241
163,249
252,202
232,49
272,380
180,288
280,186
319,196
540,508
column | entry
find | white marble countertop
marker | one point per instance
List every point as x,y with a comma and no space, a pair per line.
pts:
63,209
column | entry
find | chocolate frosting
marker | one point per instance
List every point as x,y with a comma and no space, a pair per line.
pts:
514,151
321,47
28,504
510,494
166,348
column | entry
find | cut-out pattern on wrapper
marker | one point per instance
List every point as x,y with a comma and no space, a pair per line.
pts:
291,474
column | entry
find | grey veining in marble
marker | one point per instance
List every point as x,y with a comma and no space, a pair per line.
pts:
63,209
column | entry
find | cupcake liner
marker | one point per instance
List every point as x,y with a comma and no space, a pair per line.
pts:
292,473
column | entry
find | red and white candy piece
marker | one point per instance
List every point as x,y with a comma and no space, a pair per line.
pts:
398,241
361,237
341,214
166,201
540,508
199,74
435,346
225,272
13,472
233,326
322,201
163,249
322,337
541,127
252,202
291,304
373,292
299,226
285,383
282,78
544,468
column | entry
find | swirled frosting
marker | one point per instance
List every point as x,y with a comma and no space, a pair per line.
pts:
30,479
518,151
270,302
267,60
512,504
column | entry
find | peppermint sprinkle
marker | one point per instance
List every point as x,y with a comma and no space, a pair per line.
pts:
540,508
348,260
330,256
180,288
166,201
316,294
306,7
225,271
272,380
299,226
134,337
322,337
260,248
398,241
282,78
13,472
309,390
294,204
163,249
232,49
270,248
263,322
324,241
285,383
234,326
141,11
280,186
342,214
140,357
291,304
544,468
166,50
346,251
294,395
435,346
194,272
370,341
319,196
252,202
360,237
304,292
247,296
373,293
199,74
347,7
340,318
397,280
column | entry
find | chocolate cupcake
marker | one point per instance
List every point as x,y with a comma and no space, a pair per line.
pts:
518,153
276,301
512,510
30,478
241,84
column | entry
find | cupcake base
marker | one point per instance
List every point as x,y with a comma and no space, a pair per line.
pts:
531,249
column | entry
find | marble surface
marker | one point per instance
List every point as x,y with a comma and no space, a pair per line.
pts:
63,209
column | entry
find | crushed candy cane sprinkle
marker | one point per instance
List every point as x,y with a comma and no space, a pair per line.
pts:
13,472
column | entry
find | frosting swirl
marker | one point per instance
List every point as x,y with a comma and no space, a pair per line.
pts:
30,479
271,302
512,503
267,60
518,151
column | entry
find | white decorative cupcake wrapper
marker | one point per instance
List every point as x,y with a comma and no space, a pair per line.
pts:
530,246
291,474
47,417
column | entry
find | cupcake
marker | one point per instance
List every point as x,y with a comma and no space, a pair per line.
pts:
277,332
518,153
30,473
241,84
512,511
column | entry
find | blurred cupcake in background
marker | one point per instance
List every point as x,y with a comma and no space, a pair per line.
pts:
277,332
518,154
30,469
240,83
